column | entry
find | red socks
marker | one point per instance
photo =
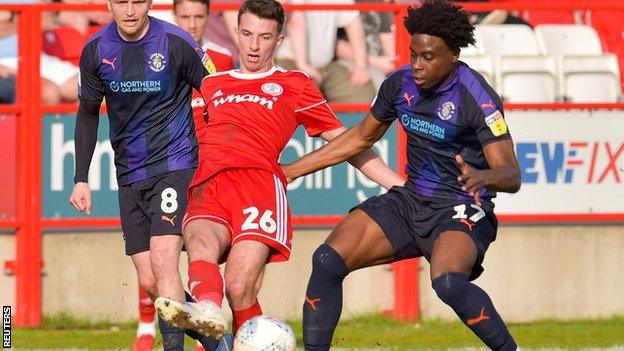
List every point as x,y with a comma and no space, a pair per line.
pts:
205,282
146,307
242,316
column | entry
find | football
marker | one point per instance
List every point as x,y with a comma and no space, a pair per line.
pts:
265,333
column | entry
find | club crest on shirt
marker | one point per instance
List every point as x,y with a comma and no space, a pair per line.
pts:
273,89
157,62
446,111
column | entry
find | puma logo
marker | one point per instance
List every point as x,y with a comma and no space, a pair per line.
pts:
312,302
109,62
193,285
482,317
170,220
408,98
488,105
468,222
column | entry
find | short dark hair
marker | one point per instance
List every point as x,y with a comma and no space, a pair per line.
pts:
268,9
443,19
205,2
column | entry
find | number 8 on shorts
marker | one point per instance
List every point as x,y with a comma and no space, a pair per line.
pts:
169,203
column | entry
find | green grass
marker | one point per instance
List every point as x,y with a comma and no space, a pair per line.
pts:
374,331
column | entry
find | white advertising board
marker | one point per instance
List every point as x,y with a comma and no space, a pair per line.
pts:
572,163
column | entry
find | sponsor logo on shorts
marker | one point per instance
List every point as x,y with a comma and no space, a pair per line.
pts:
470,224
169,220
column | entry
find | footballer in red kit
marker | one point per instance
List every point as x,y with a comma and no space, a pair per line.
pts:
238,212
258,112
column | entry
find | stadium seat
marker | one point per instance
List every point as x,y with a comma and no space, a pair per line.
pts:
591,79
568,39
521,71
580,45
528,79
610,27
474,56
508,39
63,42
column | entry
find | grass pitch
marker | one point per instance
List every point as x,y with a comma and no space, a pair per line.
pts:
373,332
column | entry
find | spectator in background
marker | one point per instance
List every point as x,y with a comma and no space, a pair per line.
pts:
310,47
379,31
220,28
495,16
59,79
86,22
192,16
7,87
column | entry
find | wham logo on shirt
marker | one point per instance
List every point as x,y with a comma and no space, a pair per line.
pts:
235,98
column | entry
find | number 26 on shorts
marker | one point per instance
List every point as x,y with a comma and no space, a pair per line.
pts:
265,222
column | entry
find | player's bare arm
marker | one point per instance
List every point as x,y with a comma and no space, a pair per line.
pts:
369,163
503,175
348,144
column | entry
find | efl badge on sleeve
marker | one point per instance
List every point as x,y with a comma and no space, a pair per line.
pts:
496,122
207,62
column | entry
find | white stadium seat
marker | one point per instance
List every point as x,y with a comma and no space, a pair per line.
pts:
590,79
585,72
568,39
474,56
508,39
528,79
522,72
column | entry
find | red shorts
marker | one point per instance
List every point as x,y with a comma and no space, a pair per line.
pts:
251,202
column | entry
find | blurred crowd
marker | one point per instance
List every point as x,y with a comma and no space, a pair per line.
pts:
347,53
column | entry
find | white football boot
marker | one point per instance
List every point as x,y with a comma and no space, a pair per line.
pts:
205,317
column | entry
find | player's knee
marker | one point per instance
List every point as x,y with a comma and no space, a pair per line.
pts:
450,286
327,261
148,284
239,289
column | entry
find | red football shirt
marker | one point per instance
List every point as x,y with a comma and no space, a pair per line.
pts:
222,60
252,117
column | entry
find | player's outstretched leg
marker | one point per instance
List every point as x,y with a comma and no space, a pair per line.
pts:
453,257
323,300
357,242
205,283
474,307
244,273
